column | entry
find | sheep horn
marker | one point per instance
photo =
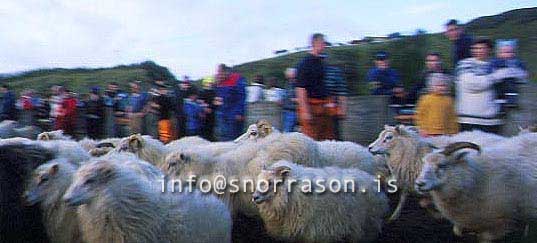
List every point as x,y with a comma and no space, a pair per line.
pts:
450,149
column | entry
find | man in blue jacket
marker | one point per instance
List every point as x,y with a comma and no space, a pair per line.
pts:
230,102
382,77
461,42
7,110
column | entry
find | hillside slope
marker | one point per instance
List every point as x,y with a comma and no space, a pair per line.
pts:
408,52
82,79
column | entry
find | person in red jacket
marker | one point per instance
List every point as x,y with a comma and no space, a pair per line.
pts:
66,119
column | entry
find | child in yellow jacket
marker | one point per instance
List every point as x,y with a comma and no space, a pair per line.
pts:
435,114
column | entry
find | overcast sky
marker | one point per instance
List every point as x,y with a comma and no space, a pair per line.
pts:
191,37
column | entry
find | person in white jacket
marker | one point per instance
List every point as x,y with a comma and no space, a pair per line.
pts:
476,97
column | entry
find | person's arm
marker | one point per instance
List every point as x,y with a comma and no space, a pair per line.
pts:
452,119
342,103
302,100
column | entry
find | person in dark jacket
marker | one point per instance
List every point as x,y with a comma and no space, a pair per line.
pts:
433,64
8,110
95,114
289,116
231,103
207,97
180,93
461,42
382,77
164,107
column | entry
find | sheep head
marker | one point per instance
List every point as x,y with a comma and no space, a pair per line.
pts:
264,128
175,161
44,136
132,143
89,182
41,183
269,183
388,139
444,168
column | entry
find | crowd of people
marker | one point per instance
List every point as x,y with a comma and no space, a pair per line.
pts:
476,94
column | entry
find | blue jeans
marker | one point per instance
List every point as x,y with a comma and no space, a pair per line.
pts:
228,129
289,120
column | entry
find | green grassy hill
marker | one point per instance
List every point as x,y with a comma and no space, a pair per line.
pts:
82,79
408,53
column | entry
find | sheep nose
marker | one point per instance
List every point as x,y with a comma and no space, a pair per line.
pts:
370,148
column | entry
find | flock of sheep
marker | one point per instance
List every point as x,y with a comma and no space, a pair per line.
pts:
111,190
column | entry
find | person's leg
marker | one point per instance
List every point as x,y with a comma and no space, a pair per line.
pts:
287,120
335,123
306,127
165,130
324,125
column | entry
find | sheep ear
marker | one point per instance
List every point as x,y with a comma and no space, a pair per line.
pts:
54,169
400,129
282,171
106,172
135,141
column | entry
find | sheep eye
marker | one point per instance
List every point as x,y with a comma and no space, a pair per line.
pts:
90,181
43,180
389,137
254,133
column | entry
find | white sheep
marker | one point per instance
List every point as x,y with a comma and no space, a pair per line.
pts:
186,142
490,192
117,205
145,147
53,135
319,217
46,188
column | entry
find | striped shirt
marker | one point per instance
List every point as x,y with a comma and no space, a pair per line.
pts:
334,82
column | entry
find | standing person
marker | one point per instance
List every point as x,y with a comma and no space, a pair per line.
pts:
433,64
382,77
179,94
506,58
337,88
273,93
55,102
66,117
460,41
8,110
27,107
164,106
312,95
476,96
207,96
435,113
254,92
95,114
231,103
194,113
289,117
135,108
43,112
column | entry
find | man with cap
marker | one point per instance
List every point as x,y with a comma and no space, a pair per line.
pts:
382,77
179,94
461,42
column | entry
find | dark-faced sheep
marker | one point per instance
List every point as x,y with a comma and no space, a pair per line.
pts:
488,191
290,213
46,188
117,205
20,223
